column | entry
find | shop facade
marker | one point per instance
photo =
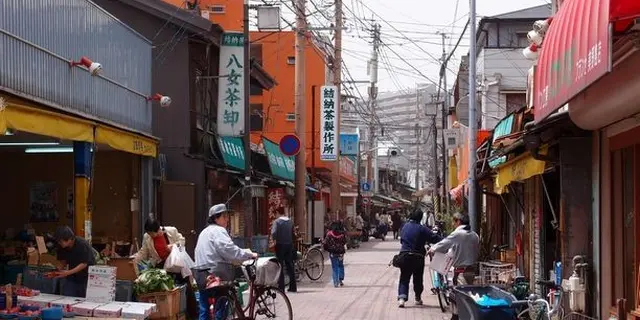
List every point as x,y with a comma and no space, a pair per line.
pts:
83,137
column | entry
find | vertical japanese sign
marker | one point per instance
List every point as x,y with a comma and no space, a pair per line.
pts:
231,87
328,123
275,202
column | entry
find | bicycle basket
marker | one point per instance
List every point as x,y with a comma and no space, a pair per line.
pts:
267,272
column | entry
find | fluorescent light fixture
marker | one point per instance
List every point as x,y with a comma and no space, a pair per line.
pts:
49,150
28,144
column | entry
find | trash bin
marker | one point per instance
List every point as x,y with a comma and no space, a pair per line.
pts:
496,306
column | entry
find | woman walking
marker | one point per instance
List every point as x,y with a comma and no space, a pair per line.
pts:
413,238
335,243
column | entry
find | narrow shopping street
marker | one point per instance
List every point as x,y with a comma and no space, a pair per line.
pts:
369,292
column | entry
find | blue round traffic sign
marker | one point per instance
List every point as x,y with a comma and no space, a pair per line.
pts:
366,186
290,145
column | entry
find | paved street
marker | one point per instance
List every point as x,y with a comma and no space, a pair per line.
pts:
369,293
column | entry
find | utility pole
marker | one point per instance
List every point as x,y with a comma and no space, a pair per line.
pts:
473,123
337,81
445,107
247,192
418,141
301,108
436,176
373,95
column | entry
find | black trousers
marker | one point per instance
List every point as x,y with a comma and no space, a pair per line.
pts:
285,255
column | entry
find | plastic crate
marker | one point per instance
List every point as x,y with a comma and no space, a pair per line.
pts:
183,298
124,291
259,244
34,278
239,241
469,309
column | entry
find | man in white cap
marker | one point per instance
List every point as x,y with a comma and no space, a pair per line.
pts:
215,246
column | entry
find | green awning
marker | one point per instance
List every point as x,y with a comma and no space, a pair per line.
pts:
232,149
281,166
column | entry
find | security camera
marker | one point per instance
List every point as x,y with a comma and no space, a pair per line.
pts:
95,68
165,101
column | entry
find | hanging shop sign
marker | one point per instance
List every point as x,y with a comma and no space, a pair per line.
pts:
329,113
275,202
349,144
232,150
347,167
281,166
575,53
231,102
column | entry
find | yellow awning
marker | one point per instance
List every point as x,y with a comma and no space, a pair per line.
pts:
126,141
33,120
453,172
17,116
518,169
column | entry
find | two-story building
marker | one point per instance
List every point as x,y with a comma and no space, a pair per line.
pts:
196,167
75,120
500,66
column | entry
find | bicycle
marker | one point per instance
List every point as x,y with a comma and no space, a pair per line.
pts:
311,263
262,299
441,287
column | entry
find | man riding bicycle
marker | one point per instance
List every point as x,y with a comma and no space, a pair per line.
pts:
215,246
465,245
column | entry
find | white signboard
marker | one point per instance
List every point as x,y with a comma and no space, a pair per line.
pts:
451,138
329,110
101,286
231,100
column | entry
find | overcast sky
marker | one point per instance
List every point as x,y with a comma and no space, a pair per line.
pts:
421,21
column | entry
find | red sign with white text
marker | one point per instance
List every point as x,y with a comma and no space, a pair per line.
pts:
574,54
347,168
275,202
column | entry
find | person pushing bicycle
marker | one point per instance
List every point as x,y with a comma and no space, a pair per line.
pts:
465,245
215,246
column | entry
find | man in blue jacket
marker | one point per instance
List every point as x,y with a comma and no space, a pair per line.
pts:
414,237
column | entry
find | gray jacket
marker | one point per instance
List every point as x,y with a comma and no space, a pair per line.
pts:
282,230
215,246
465,245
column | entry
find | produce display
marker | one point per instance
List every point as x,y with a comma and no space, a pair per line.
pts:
153,280
24,311
20,291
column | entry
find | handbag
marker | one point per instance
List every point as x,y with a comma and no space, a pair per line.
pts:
399,260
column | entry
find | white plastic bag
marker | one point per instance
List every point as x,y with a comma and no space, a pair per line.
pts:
175,262
188,263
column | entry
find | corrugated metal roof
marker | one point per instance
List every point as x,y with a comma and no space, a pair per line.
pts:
38,38
541,11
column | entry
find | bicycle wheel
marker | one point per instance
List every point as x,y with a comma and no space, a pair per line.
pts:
441,301
273,304
224,308
314,264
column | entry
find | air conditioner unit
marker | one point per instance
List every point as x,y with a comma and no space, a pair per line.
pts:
291,117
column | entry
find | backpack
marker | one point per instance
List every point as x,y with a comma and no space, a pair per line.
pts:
334,245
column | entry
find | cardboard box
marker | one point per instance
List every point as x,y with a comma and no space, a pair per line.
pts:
125,268
43,300
66,303
85,308
135,311
109,310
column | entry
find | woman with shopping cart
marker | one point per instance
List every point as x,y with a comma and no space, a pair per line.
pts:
464,243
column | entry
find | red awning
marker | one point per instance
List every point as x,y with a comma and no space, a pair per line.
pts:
623,12
574,54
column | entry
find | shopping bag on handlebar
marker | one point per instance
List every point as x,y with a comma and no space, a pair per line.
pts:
441,262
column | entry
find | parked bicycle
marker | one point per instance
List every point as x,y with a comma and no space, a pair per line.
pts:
265,301
310,263
441,287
